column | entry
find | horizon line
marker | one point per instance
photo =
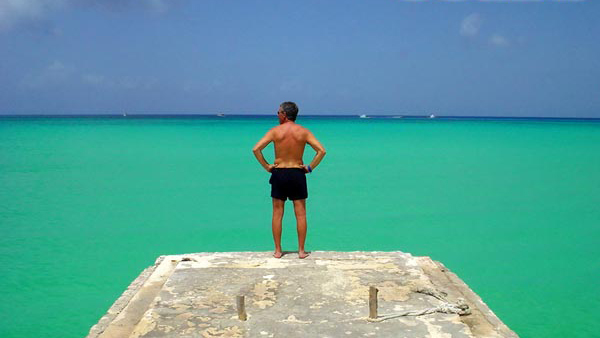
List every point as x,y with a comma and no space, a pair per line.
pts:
409,116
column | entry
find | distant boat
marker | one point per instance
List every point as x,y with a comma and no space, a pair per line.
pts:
363,116
221,115
124,114
397,117
431,116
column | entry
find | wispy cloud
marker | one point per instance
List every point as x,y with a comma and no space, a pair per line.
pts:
290,86
93,79
12,12
156,6
498,40
15,12
121,82
471,29
470,25
58,73
54,74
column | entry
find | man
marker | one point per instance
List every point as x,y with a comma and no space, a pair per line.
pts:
288,173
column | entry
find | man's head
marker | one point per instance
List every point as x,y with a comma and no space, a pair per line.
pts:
289,110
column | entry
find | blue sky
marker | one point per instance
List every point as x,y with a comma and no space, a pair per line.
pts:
487,58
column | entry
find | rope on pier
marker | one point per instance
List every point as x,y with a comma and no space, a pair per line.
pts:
459,308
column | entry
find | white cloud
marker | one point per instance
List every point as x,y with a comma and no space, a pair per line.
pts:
470,28
14,12
129,82
54,74
57,73
123,82
158,6
499,41
470,25
290,86
93,79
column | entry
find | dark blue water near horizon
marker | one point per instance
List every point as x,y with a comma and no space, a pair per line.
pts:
311,116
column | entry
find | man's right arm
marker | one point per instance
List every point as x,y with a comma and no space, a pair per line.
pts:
257,150
318,147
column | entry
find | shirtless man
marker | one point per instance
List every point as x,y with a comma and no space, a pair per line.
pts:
288,173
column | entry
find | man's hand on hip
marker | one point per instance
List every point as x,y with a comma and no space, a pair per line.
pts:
271,167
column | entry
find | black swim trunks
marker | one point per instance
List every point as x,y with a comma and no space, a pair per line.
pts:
288,183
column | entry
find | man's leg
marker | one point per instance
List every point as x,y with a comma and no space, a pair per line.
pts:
300,211
276,225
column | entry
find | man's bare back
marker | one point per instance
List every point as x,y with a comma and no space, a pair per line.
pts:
290,140
287,181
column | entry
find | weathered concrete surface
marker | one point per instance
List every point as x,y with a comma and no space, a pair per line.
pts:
325,295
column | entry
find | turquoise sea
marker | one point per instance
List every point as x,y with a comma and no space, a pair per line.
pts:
511,206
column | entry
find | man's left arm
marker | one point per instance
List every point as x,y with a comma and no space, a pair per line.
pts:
268,138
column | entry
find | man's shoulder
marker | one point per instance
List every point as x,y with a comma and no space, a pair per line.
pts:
295,127
302,128
276,128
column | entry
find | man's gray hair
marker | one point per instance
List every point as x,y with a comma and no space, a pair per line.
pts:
290,109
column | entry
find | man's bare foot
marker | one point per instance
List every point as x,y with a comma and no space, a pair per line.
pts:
302,254
278,254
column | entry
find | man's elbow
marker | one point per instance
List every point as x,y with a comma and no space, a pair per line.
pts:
323,152
256,150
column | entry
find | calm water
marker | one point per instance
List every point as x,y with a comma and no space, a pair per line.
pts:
510,206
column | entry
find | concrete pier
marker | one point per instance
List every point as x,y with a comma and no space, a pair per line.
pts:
325,295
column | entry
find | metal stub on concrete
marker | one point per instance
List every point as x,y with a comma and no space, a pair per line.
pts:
241,308
324,295
373,302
